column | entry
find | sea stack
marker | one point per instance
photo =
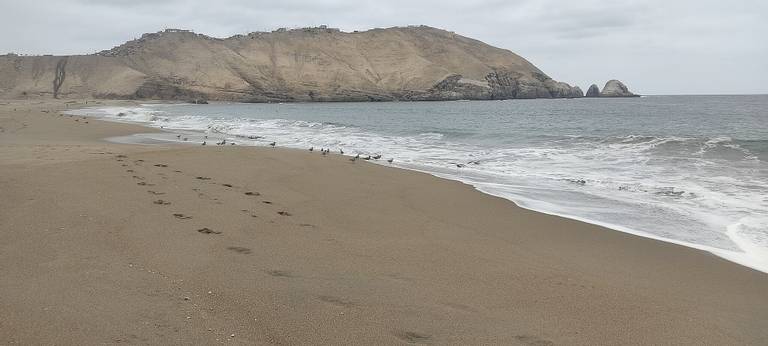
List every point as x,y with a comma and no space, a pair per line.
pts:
615,88
593,91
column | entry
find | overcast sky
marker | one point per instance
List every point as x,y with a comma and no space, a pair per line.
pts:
654,46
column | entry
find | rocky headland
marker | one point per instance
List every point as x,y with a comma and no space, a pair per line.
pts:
296,65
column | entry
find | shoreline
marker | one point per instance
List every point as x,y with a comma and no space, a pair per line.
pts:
741,258
342,253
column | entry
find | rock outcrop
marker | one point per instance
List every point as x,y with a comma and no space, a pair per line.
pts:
593,91
310,64
615,88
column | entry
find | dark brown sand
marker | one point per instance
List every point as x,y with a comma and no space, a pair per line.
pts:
259,245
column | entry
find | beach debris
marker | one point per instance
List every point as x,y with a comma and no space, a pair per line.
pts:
181,216
226,185
284,213
251,193
161,202
161,165
202,178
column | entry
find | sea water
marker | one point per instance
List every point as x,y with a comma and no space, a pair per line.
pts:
691,170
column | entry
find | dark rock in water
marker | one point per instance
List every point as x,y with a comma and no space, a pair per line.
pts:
593,91
615,88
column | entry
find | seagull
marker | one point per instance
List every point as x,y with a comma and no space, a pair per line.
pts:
357,156
272,144
203,143
390,160
377,157
311,148
367,157
178,136
341,151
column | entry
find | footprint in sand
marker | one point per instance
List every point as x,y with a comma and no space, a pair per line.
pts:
412,337
250,193
281,273
156,193
226,185
138,177
207,230
533,340
202,178
181,216
141,183
336,301
161,165
238,249
249,212
129,170
266,202
284,213
161,202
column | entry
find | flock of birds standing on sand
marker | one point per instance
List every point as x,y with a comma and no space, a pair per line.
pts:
326,151
323,151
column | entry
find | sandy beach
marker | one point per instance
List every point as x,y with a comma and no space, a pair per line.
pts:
106,243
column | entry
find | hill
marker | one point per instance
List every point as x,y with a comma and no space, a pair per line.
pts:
310,64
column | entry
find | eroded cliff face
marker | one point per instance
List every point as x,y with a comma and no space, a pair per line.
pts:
312,64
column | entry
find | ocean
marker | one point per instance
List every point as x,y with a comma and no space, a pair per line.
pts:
691,170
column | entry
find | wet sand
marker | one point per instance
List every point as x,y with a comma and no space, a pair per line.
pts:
106,243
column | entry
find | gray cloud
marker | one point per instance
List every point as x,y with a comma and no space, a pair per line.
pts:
656,46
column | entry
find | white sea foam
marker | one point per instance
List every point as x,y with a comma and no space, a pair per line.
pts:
673,188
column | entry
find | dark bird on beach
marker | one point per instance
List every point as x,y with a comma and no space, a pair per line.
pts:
460,165
376,157
324,153
357,156
474,162
231,143
203,143
273,144
367,157
341,151
206,136
178,136
186,139
353,159
311,148
390,160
